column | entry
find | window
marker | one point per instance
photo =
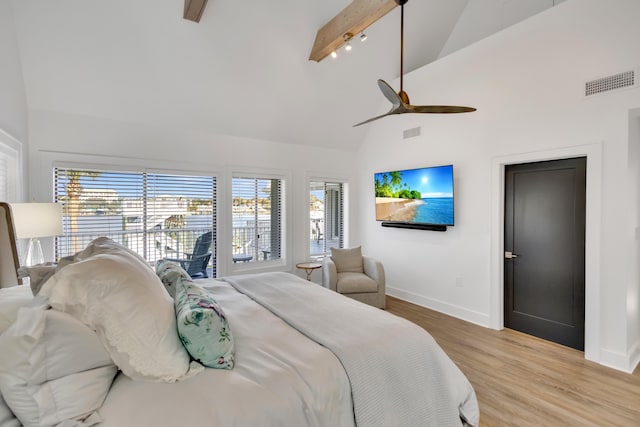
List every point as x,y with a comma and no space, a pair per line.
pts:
156,215
326,215
256,219
9,170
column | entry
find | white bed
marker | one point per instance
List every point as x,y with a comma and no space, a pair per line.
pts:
283,378
304,356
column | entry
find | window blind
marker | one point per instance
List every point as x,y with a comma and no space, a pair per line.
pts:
256,219
156,215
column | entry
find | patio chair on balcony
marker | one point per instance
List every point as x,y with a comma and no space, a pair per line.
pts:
196,263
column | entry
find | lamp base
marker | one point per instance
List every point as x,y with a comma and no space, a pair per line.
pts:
34,253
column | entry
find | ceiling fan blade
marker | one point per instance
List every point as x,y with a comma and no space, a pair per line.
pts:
375,118
439,109
389,93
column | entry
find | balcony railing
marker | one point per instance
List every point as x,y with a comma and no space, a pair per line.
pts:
152,245
159,243
156,244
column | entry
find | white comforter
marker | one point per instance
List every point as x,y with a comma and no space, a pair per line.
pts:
281,378
399,375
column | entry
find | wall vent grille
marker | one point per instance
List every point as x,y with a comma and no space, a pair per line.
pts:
411,133
606,84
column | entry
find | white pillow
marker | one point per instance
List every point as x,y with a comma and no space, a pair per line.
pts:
7,419
11,300
53,368
104,245
122,299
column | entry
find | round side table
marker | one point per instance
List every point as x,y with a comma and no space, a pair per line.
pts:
308,267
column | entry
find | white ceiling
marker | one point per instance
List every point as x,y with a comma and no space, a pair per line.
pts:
243,70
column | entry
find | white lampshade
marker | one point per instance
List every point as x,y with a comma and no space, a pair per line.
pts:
34,220
37,219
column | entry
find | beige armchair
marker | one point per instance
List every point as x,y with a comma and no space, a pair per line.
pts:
359,277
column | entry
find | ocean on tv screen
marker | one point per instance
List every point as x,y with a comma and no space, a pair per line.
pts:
434,211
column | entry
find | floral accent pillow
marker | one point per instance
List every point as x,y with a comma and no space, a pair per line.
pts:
169,272
202,325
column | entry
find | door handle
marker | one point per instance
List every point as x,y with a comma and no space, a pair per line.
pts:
510,255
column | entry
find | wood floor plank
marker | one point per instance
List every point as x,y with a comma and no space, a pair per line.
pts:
522,380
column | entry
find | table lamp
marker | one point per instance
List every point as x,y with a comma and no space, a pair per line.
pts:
35,220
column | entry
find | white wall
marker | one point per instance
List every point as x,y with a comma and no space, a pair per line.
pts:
60,137
528,84
13,102
481,18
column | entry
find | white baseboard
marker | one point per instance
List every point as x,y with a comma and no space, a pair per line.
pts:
634,357
621,361
478,318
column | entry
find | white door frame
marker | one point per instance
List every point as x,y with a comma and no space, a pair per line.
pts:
593,153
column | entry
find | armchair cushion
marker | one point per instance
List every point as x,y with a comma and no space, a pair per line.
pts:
348,260
355,283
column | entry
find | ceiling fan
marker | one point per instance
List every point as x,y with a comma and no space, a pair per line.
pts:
400,101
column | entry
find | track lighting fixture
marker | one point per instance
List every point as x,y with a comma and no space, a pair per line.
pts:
347,40
347,37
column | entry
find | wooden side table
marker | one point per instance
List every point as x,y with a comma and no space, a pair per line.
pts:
308,267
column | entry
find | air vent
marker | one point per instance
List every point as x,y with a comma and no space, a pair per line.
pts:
411,133
606,84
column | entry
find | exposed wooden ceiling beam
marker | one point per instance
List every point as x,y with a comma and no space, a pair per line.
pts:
352,19
193,9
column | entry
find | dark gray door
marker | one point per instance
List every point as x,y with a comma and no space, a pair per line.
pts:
544,249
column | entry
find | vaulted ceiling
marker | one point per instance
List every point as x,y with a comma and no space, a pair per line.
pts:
243,70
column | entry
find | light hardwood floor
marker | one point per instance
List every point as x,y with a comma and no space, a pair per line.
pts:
525,381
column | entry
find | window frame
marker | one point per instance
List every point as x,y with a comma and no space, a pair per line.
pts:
280,264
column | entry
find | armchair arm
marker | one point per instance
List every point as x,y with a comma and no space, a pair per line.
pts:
329,274
374,269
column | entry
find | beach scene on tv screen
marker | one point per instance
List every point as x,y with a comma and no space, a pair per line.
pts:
416,195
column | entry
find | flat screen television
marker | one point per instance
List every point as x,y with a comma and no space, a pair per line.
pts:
415,196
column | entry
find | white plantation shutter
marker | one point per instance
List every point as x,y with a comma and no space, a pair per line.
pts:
9,169
156,215
257,219
4,178
326,216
